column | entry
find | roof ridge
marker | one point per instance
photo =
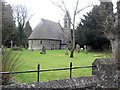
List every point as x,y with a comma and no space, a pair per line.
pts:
49,20
47,30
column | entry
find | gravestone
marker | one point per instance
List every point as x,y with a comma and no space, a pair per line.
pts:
25,46
15,48
77,48
66,53
85,49
11,44
2,49
43,50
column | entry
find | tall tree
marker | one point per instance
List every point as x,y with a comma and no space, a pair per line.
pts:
21,16
27,31
8,24
90,31
76,11
111,23
0,23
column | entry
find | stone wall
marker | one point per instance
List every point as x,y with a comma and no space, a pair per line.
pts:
73,83
49,44
106,72
105,75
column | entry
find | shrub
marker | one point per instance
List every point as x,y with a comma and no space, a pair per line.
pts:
10,61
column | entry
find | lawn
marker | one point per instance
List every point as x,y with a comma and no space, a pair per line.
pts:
52,60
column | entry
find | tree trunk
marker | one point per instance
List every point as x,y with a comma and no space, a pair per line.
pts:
72,52
116,49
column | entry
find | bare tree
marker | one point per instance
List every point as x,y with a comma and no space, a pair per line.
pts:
111,23
76,11
21,16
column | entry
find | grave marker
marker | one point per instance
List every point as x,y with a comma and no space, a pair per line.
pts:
85,49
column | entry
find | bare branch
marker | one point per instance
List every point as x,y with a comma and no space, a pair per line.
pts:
64,6
60,6
76,7
84,8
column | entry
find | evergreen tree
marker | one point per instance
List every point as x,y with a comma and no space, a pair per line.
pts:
8,24
27,31
90,31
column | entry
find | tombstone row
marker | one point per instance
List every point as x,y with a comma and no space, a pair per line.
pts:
77,49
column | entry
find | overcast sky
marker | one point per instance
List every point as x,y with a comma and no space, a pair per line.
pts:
45,9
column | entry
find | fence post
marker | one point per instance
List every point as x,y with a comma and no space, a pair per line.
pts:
38,72
70,69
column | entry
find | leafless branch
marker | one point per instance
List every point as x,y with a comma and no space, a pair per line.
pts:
64,6
76,7
84,8
58,5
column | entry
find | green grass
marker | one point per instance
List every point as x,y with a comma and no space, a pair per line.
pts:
52,60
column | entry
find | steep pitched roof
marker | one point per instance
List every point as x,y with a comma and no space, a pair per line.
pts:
47,30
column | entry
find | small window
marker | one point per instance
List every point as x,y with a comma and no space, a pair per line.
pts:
40,41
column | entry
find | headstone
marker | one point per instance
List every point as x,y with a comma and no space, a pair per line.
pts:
66,53
43,50
2,49
15,46
25,46
11,44
77,48
85,49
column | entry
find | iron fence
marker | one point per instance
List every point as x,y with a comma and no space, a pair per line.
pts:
38,70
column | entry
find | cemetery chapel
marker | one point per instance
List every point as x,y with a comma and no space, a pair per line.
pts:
50,34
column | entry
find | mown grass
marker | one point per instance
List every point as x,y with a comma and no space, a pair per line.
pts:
52,60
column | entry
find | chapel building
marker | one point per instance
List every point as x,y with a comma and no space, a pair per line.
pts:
50,34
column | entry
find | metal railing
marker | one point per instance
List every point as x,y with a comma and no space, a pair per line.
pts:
38,70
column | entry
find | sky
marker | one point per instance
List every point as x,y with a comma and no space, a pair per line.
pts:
47,10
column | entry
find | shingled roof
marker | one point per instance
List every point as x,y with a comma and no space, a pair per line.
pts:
47,30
